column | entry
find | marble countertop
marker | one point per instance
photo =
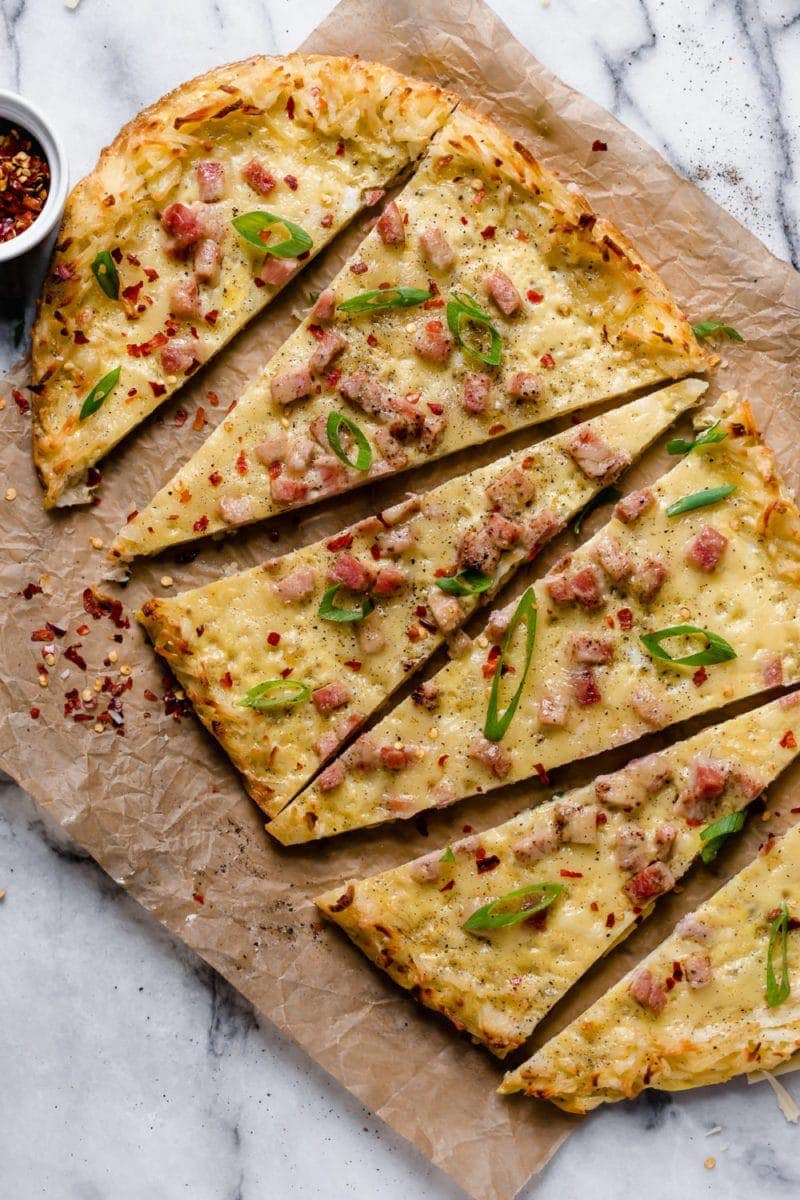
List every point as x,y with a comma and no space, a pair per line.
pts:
128,1068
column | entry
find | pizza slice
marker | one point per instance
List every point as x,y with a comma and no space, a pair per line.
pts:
203,207
487,298
685,601
285,661
493,930
718,998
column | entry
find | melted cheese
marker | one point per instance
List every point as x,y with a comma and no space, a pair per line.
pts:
751,600
216,637
702,1035
499,985
337,127
604,323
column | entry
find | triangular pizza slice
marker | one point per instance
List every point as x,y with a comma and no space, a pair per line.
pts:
719,998
200,211
493,930
285,661
685,601
488,298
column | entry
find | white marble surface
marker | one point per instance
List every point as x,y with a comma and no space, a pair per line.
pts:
127,1068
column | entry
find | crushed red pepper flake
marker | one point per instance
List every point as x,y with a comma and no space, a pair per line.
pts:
789,741
24,181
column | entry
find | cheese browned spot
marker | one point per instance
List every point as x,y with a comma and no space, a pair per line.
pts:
712,1021
569,710
605,325
222,631
499,984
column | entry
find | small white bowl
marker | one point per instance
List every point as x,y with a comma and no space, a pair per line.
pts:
28,118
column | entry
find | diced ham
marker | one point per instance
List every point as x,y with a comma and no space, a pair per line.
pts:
299,585
512,491
401,804
326,744
584,687
363,754
492,755
649,578
426,695
369,634
536,845
693,929
207,261
539,529
477,552
577,822
329,347
652,709
699,800
595,457
285,490
179,354
581,587
523,385
553,711
586,649
184,298
299,456
613,558
273,448
433,342
288,386
631,852
631,507
397,757
433,428
697,970
706,548
277,271
350,573
210,181
325,306
772,671
391,451
331,696
332,777
648,991
750,786
389,581
447,611
499,621
390,227
475,397
503,532
396,542
654,880
444,793
184,227
665,841
260,179
502,291
436,248
623,790
398,512
427,868
236,510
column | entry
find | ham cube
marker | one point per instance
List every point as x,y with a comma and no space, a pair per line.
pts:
350,573
426,695
595,457
396,542
652,709
433,342
436,248
210,181
523,385
594,650
325,306
427,868
397,757
369,634
697,970
580,587
299,585
183,226
631,507
260,179
363,754
772,672
184,299
389,581
331,696
541,527
332,777
236,510
207,261
693,929
285,490
699,800
631,852
447,611
477,552
492,755
329,347
390,227
512,491
503,293
288,386
502,532
705,550
273,448
475,397
584,687
648,991
614,558
649,578
553,712
179,355
536,845
654,880
577,822
277,271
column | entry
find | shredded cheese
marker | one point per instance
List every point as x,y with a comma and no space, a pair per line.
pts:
786,1102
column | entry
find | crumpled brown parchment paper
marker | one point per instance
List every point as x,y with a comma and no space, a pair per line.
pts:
161,809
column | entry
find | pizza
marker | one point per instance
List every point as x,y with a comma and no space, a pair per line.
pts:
200,211
285,661
488,297
718,998
685,601
493,930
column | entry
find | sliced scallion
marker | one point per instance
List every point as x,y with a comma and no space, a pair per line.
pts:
380,298
607,495
105,272
700,499
514,906
100,393
251,225
717,650
463,309
714,836
709,437
329,611
275,693
363,459
705,329
468,582
497,723
777,992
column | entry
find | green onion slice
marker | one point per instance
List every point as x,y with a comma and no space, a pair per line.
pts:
363,460
708,437
100,393
497,723
700,499
717,649
714,836
778,937
706,329
448,855
463,309
275,693
514,906
330,612
468,582
607,495
105,272
393,297
251,225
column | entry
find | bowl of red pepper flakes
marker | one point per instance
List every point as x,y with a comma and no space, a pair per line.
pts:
33,178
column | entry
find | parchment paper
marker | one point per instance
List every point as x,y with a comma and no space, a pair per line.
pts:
161,809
